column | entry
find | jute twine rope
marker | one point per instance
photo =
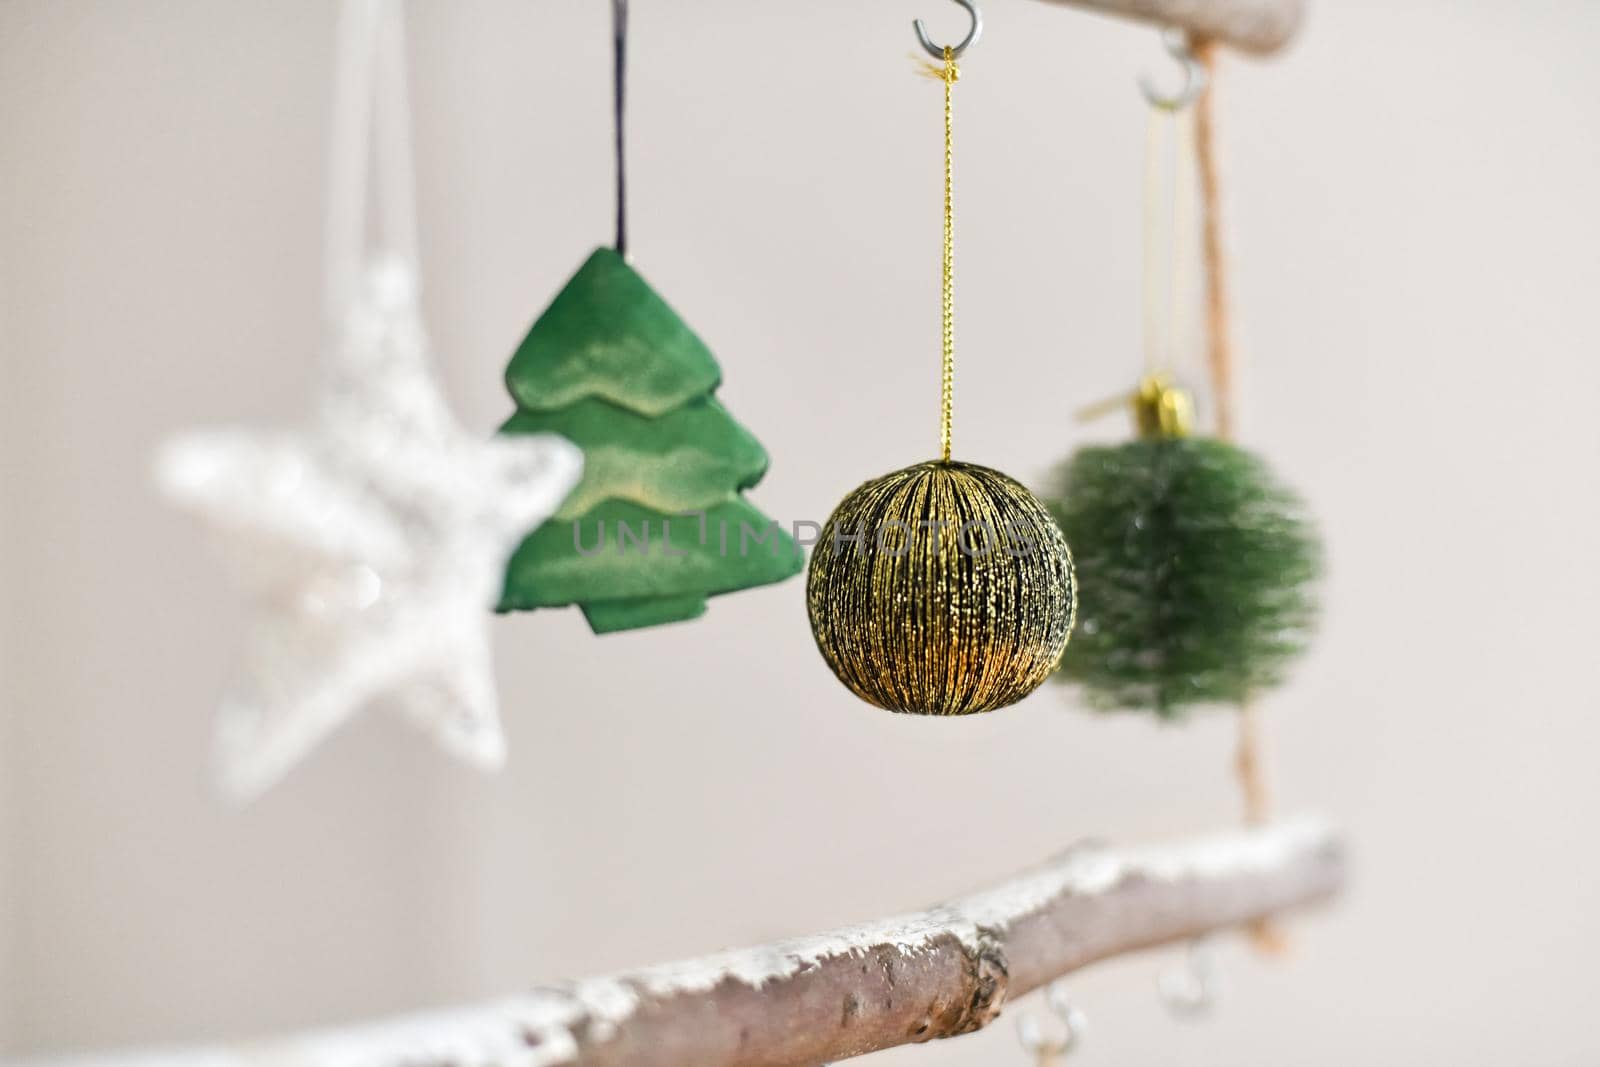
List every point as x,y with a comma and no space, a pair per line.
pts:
1249,758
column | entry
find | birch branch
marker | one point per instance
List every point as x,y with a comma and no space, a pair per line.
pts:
1258,26
933,974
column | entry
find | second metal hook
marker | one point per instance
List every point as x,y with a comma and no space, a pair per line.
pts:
1032,1036
937,51
1176,42
1192,991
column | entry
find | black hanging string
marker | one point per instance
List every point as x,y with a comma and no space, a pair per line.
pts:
619,40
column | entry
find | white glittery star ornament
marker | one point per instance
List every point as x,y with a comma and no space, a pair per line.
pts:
373,543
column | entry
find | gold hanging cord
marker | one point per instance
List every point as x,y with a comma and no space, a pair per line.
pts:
949,73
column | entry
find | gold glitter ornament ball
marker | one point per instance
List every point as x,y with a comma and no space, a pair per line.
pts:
942,589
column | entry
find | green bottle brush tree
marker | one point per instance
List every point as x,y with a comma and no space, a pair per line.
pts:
1195,566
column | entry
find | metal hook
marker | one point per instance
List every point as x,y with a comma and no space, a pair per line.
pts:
1176,42
937,51
1030,1034
1192,992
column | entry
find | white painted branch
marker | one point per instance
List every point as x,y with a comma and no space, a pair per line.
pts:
1258,26
933,974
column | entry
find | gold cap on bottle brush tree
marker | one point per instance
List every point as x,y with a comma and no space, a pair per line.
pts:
945,588
1162,408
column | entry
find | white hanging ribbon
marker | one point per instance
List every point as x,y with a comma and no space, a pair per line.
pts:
370,148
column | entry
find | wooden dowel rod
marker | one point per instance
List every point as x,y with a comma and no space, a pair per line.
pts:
1260,27
938,973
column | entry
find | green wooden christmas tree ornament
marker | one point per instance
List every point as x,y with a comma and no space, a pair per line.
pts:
1195,566
658,523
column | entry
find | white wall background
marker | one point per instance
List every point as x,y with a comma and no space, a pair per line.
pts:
1418,254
